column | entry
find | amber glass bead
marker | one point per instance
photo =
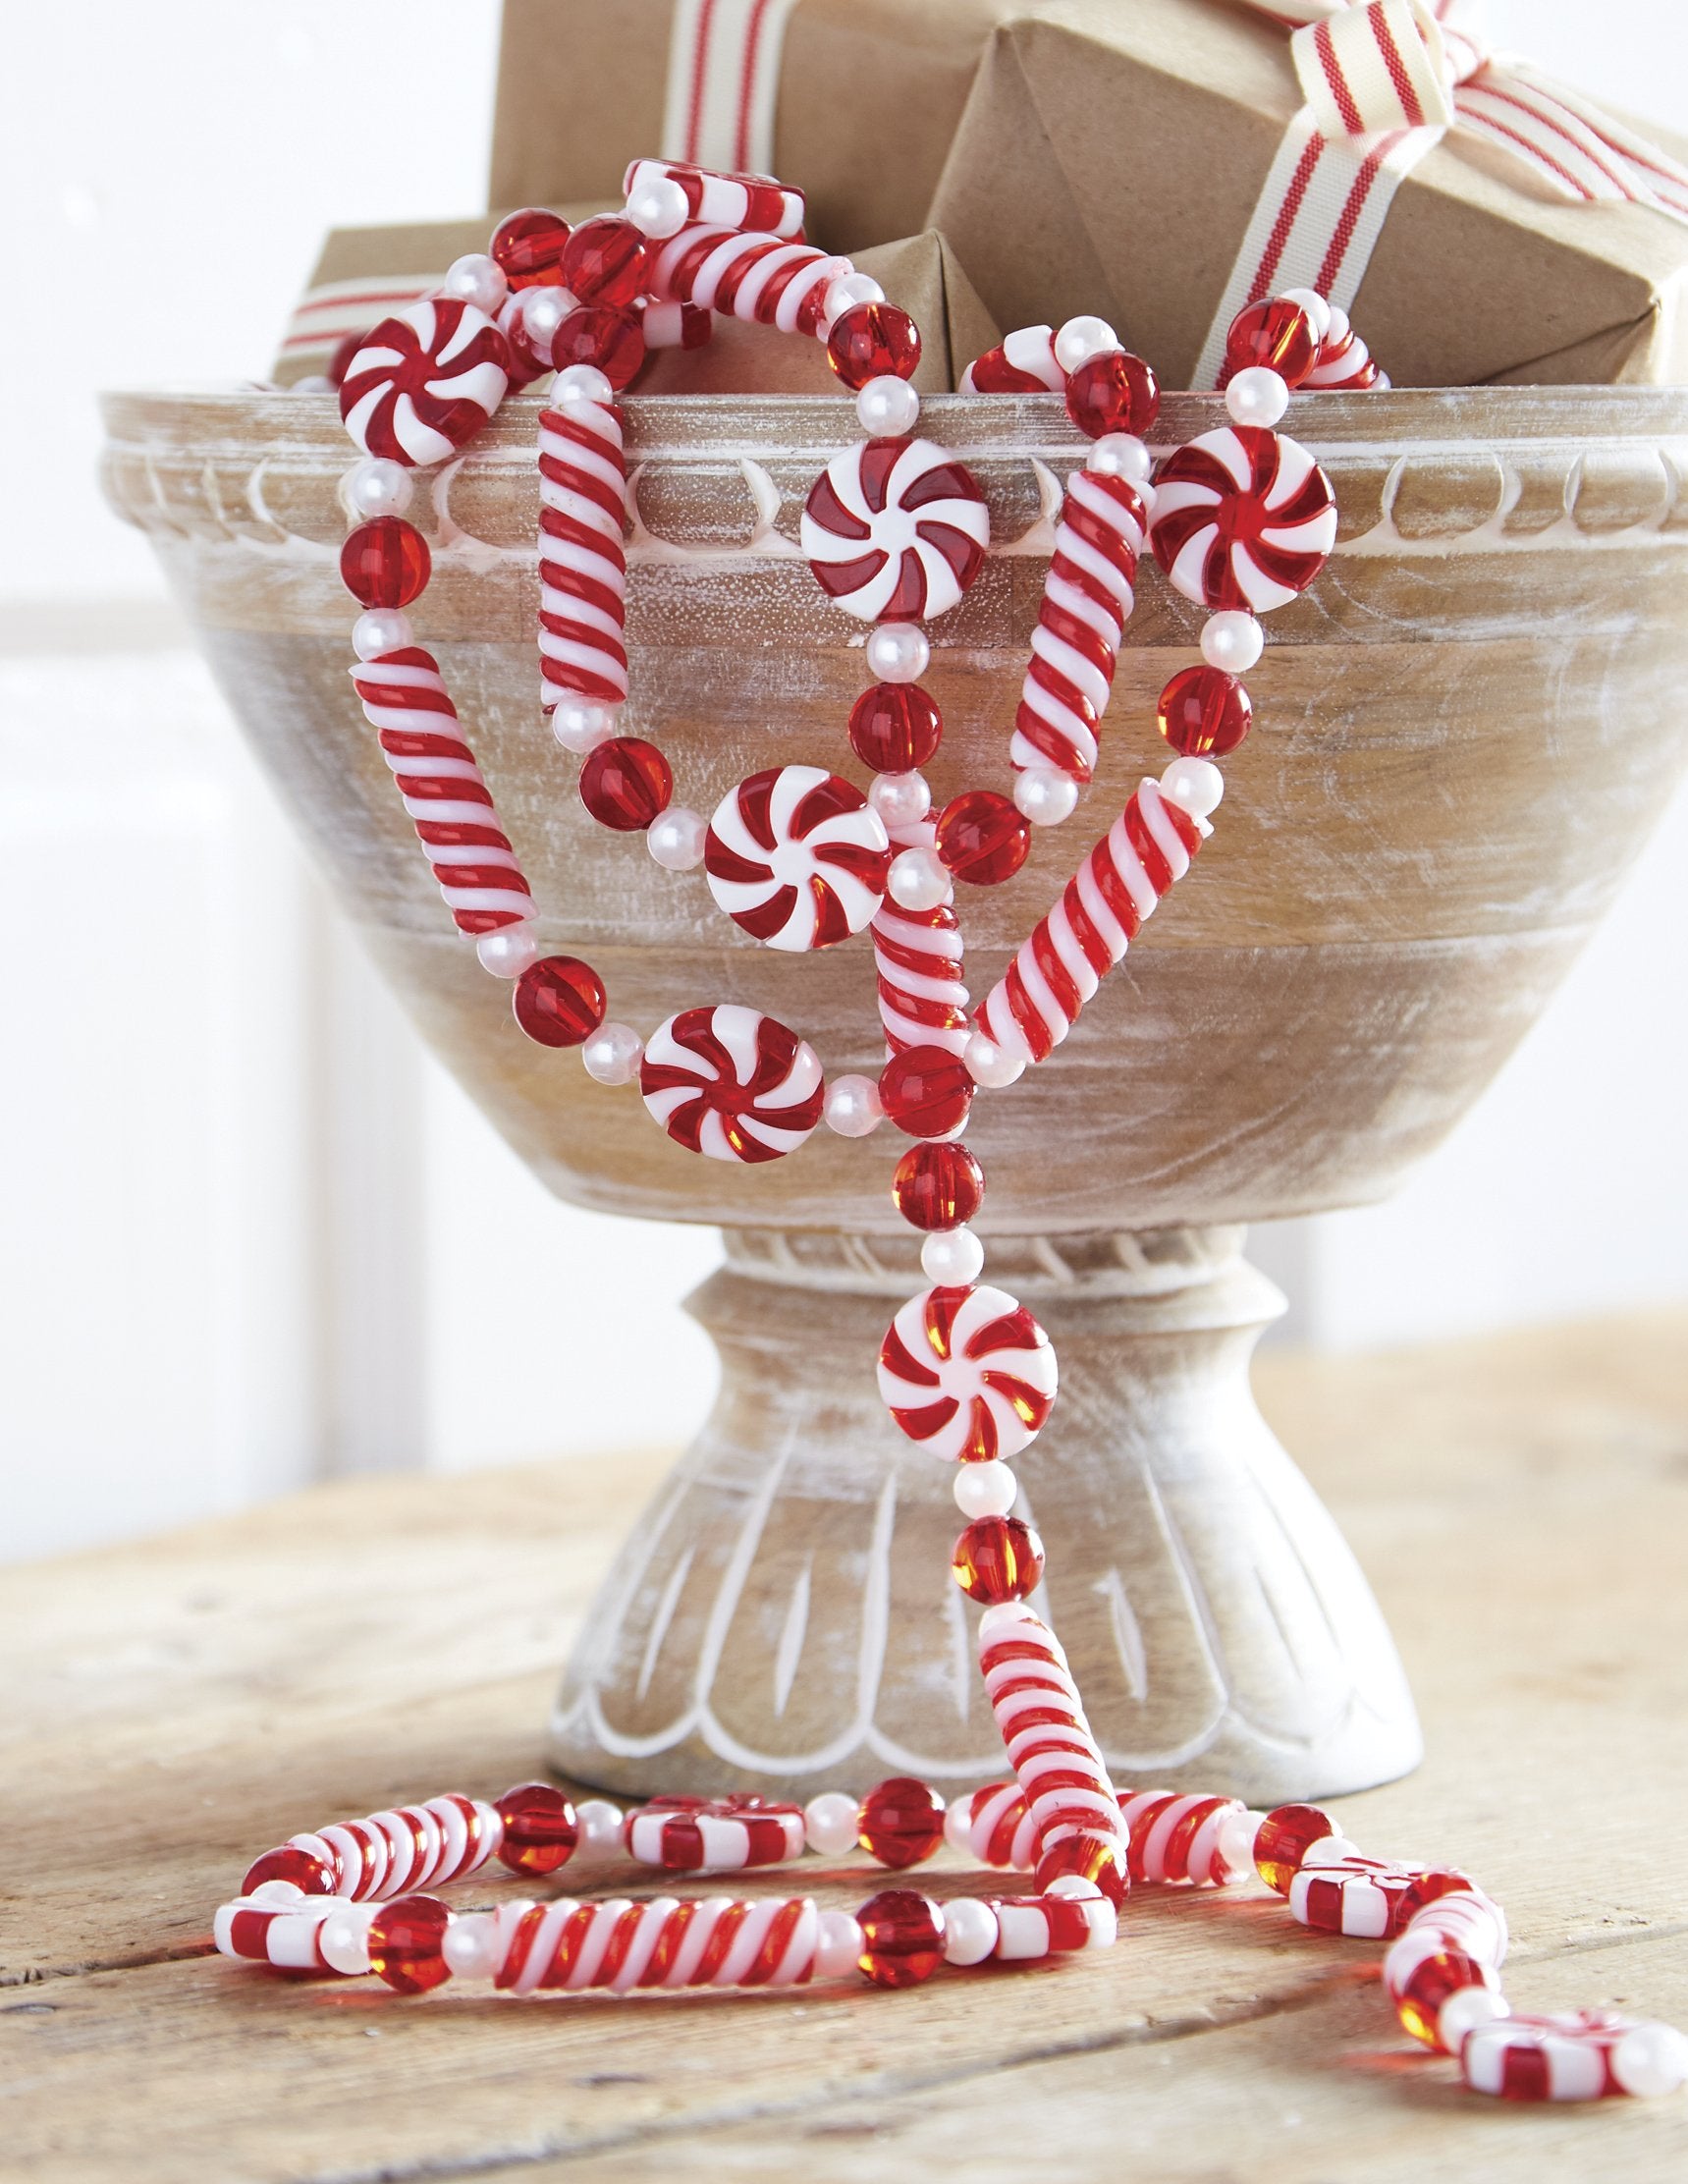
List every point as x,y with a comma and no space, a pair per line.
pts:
901,1937
1430,1983
997,1559
900,1821
1204,712
605,261
558,1001
527,249
926,1091
303,1868
1284,1839
873,341
1272,333
982,838
625,784
385,563
1098,1858
404,1943
610,341
895,727
1113,392
937,1186
540,1828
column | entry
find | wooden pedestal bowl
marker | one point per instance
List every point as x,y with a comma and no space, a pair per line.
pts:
1462,735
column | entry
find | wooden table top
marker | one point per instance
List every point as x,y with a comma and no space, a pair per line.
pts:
1521,1505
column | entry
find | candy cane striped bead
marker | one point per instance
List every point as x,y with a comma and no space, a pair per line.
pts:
1181,1838
1030,1927
998,1830
753,203
582,567
667,1942
418,1846
1038,1711
1087,599
268,1928
1343,359
1357,1896
406,701
1544,2058
691,1835
761,278
1024,363
917,960
1033,1007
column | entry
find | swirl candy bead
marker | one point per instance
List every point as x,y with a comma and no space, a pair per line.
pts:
895,530
731,1083
1244,518
969,1373
1041,1719
425,381
797,857
1087,600
582,566
406,701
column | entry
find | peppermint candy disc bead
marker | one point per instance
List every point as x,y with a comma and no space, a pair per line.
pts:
797,857
969,1373
425,381
895,530
731,1083
1244,518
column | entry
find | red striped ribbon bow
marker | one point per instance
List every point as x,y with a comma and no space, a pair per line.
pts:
1383,81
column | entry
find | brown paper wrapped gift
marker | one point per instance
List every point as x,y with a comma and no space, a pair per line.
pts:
1094,155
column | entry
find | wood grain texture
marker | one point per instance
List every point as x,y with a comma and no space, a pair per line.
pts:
1522,1504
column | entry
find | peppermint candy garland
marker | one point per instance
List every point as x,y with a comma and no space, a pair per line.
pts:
895,530
425,381
1243,518
968,1372
797,857
731,1083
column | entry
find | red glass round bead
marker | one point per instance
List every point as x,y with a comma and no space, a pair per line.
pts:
997,1559
610,341
1272,333
900,1821
1429,1888
982,838
386,563
1433,1980
558,1001
605,261
1284,1839
404,1943
1098,1858
895,727
542,1828
625,784
1113,392
871,341
527,249
926,1091
340,363
1204,712
303,1868
901,1937
937,1186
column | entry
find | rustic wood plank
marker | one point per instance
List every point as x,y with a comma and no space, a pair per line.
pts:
1519,1504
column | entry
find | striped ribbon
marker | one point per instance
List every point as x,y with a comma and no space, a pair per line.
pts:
724,83
1383,81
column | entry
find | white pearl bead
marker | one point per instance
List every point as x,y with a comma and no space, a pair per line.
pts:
378,488
1194,785
658,207
1075,1886
853,1108
1258,395
1235,1844
600,1829
1649,2060
1000,1621
919,880
381,630
900,799
829,1823
675,838
992,1065
508,951
953,1258
470,1945
1314,304
344,1938
985,1489
611,1054
1233,640
897,652
958,1824
277,1892
478,281
1328,1849
313,383
839,1945
1465,2010
581,383
580,725
1045,795
970,1931
888,406
1082,338
848,288
1121,454
544,310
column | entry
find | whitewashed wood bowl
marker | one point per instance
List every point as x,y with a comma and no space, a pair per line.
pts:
1463,733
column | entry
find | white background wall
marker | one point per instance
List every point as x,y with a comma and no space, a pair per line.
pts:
237,1193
